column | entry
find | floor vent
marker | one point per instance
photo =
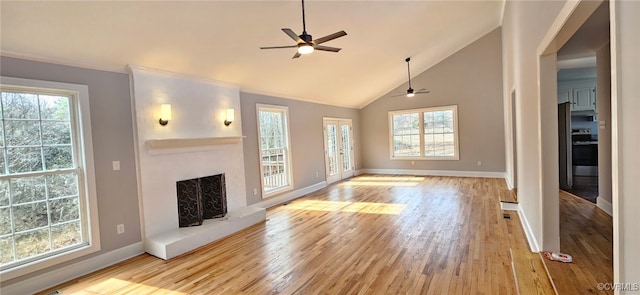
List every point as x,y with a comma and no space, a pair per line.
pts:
506,216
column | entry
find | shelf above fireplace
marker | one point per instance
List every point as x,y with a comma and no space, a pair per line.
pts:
180,145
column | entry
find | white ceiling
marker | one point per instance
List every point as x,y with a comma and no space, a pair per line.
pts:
220,39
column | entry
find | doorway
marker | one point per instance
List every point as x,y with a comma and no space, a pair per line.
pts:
578,134
578,41
338,149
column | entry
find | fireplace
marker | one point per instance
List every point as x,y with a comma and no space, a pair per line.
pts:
201,198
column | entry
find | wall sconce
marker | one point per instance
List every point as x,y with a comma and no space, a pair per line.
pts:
165,114
230,117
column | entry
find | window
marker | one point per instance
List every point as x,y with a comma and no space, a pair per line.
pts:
430,134
44,185
275,151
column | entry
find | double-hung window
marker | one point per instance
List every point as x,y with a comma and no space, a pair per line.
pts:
275,150
45,211
429,133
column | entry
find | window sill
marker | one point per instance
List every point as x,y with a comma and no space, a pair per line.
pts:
40,264
276,192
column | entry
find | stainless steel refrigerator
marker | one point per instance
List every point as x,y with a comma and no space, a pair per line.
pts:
565,145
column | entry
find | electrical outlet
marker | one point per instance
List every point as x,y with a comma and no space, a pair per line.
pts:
479,163
255,191
120,228
116,165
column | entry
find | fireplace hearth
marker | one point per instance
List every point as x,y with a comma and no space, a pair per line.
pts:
201,198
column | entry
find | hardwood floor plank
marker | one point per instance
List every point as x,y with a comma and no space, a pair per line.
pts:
586,233
371,234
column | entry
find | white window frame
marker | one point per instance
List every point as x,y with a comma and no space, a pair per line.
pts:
287,137
79,105
420,113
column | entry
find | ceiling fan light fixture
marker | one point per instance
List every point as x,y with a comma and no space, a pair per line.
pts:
305,48
411,94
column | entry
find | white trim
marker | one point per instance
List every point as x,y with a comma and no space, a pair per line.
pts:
452,173
502,10
286,197
285,96
64,62
605,205
80,112
359,172
339,123
421,133
509,181
509,206
531,238
72,271
287,136
132,68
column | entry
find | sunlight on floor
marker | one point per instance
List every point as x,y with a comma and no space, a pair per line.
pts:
113,285
383,181
394,178
356,207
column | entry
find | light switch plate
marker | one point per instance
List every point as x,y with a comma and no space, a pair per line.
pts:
116,165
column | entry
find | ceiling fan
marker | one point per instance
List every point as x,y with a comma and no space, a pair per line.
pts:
410,92
305,42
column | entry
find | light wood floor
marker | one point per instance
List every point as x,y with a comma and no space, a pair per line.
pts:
586,233
371,234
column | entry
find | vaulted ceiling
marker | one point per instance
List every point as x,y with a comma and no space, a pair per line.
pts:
220,40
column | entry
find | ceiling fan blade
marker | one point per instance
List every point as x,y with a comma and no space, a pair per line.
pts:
278,47
296,55
402,94
422,91
292,35
326,48
329,37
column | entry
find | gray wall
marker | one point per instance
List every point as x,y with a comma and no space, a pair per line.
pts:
112,133
307,143
470,78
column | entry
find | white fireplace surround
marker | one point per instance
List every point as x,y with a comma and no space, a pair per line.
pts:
195,143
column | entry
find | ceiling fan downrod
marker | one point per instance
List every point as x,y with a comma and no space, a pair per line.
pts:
409,72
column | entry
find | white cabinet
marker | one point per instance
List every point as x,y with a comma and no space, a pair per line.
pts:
581,94
565,95
584,99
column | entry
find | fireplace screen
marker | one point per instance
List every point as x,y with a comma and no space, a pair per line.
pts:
201,198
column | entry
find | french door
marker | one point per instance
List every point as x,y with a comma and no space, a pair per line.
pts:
338,148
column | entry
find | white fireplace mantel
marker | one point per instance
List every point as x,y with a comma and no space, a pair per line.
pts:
183,145
194,144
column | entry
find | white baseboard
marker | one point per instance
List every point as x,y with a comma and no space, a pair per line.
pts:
358,172
605,205
288,196
509,181
531,238
72,271
484,174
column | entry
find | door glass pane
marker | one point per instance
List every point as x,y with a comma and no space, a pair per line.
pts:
346,147
332,148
